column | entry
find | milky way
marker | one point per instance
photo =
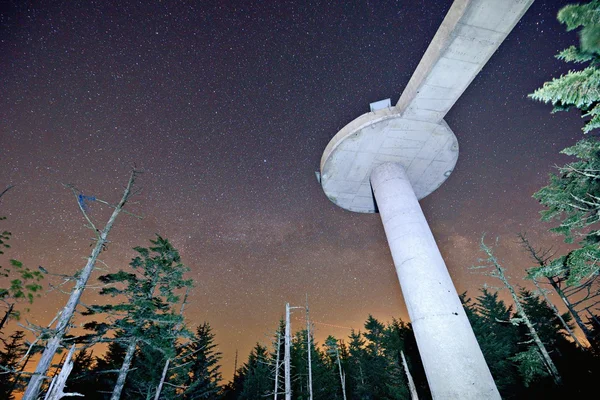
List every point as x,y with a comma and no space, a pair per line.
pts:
227,108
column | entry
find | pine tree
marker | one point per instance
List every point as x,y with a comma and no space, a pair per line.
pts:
357,365
146,316
204,374
573,195
579,89
497,337
9,358
23,283
256,375
384,371
81,379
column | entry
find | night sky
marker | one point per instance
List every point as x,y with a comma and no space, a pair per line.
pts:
227,107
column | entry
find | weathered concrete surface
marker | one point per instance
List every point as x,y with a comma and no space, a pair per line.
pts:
413,133
453,361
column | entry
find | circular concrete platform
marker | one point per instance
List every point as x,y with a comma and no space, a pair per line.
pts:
427,151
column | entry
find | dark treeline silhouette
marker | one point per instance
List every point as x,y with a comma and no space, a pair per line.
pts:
370,361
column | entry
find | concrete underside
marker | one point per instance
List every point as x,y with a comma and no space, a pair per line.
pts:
413,133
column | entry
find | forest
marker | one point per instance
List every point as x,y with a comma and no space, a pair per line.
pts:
539,334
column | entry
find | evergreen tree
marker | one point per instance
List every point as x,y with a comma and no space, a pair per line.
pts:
204,374
573,195
256,375
384,373
81,379
146,317
324,373
357,365
9,359
106,368
578,89
22,282
497,337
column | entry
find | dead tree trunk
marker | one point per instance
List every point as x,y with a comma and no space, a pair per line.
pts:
66,314
162,379
411,383
557,313
277,366
342,373
116,394
308,349
586,332
499,273
55,392
541,258
288,380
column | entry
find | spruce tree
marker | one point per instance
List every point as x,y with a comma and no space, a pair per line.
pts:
256,375
497,337
579,89
204,375
13,351
145,315
358,387
22,283
573,195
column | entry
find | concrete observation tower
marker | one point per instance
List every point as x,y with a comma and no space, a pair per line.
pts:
386,160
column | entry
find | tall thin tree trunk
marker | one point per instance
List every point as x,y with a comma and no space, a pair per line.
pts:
342,374
162,379
33,388
411,383
586,332
56,390
557,313
521,311
309,348
116,394
288,380
277,365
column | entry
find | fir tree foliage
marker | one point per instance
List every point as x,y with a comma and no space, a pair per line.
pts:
14,349
256,375
22,283
573,195
580,89
204,375
148,296
145,317
573,198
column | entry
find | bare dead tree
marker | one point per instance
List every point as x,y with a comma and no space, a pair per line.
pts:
411,383
497,271
67,312
57,386
584,290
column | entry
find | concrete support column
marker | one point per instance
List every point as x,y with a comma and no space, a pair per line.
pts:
453,361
